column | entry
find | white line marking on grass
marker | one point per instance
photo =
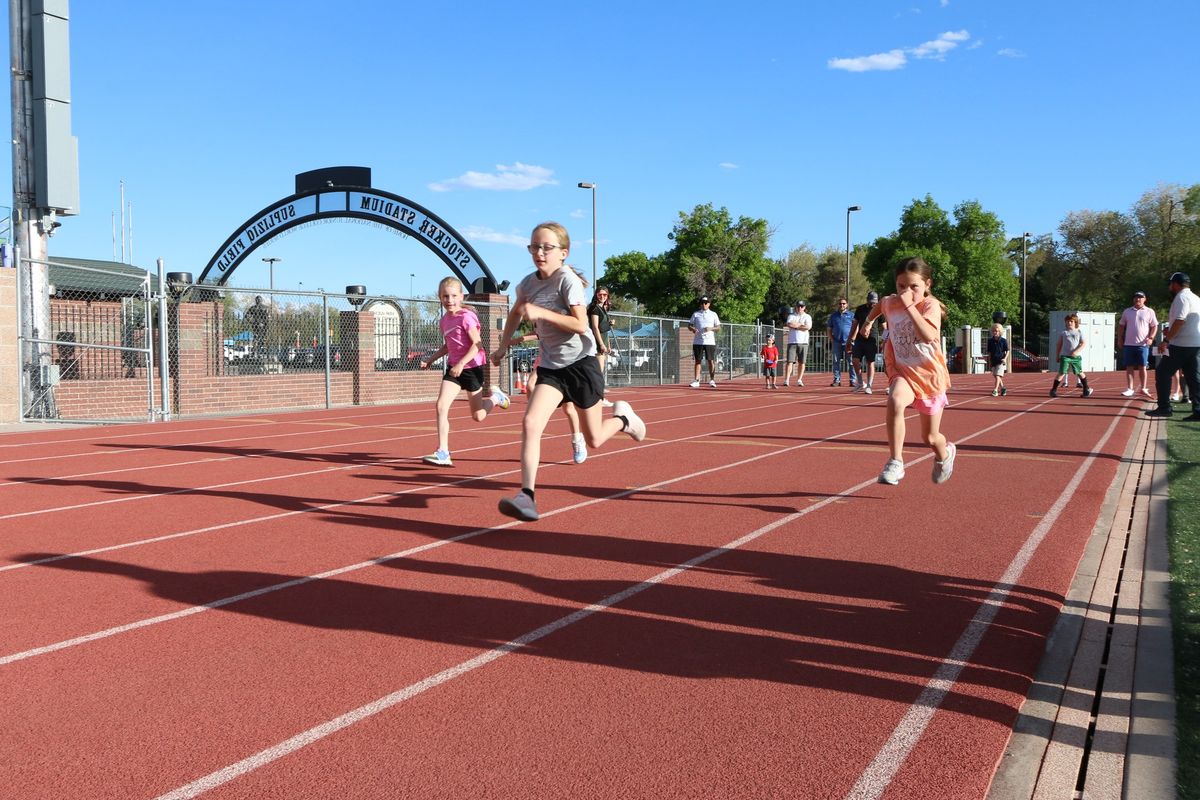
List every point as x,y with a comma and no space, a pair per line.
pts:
326,729
878,775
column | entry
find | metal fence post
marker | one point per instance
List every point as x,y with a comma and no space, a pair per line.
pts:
328,345
164,369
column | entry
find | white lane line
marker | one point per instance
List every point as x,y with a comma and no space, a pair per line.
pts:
136,497
878,775
326,729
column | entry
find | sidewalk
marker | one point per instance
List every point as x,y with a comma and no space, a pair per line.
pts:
1099,719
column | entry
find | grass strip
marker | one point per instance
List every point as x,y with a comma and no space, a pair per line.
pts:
1183,520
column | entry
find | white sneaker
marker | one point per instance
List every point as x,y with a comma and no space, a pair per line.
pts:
520,506
606,403
867,390
799,382
713,384
695,384
500,399
633,423
1128,393
893,472
440,458
942,470
789,383
1147,392
578,448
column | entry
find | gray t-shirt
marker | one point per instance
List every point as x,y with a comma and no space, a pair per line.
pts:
1071,339
558,293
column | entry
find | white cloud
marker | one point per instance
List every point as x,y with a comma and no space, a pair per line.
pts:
578,213
1009,52
896,59
937,48
944,3
480,233
517,178
727,165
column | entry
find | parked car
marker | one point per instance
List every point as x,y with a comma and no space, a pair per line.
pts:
419,353
236,352
1027,361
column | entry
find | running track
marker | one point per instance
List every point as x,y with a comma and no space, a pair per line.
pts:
294,606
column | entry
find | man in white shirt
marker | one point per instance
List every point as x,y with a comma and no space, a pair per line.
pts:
1180,349
704,323
1136,331
799,323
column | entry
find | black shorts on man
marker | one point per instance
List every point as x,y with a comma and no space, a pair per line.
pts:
704,352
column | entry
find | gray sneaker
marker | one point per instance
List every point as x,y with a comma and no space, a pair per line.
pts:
942,470
635,427
893,472
519,506
578,448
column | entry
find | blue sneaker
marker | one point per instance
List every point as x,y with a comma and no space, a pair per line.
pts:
440,458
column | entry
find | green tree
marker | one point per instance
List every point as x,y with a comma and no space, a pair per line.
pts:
972,273
792,279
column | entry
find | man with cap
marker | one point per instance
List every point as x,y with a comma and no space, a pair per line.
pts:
1180,348
799,323
704,323
838,325
1136,332
864,347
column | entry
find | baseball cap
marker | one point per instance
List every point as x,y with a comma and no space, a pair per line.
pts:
1139,294
800,304
770,336
704,299
872,297
1181,277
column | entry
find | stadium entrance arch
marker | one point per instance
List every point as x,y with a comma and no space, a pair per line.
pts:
346,193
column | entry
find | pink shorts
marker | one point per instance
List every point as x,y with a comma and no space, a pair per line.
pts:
931,405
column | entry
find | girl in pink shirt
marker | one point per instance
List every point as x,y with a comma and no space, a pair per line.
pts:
464,367
916,366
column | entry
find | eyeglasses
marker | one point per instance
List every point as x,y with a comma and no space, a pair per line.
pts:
542,248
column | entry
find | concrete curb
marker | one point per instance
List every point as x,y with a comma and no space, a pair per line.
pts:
1099,718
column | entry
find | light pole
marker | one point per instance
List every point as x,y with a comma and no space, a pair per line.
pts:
1024,282
592,186
271,261
848,210
411,275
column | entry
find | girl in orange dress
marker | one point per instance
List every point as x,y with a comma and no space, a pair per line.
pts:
916,367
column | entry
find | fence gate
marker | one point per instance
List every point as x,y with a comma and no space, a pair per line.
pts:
86,342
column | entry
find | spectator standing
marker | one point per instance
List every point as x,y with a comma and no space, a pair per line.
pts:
799,323
705,323
997,351
770,357
1180,349
601,325
258,319
839,325
864,346
1136,331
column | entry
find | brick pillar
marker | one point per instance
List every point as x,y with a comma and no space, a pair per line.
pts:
197,351
10,357
491,325
358,352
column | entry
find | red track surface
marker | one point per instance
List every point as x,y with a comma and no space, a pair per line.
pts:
294,606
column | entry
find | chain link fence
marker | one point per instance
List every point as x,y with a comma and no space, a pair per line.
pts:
102,342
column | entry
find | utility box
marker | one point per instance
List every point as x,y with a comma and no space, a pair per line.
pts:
1099,335
970,339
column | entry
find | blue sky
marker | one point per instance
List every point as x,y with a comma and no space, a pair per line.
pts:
489,114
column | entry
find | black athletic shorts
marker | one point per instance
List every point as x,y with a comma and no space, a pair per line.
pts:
865,348
471,378
701,352
581,383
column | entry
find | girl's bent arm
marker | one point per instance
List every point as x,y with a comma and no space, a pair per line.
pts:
575,322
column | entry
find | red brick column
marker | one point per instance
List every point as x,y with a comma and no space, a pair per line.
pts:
358,354
491,325
196,349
